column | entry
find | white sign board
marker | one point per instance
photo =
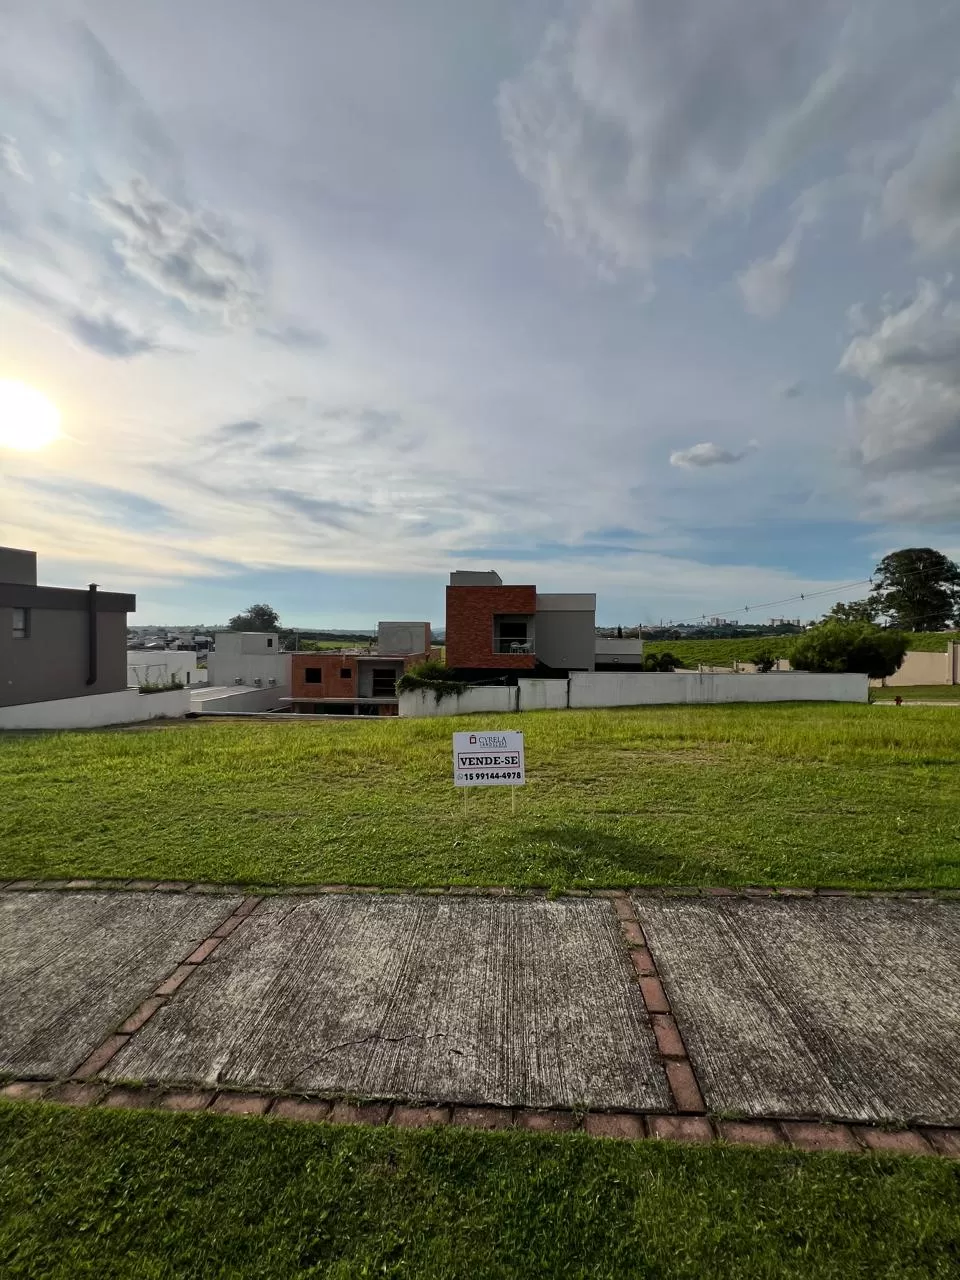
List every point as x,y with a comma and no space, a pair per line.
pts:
488,760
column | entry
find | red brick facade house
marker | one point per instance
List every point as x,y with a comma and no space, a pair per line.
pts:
353,682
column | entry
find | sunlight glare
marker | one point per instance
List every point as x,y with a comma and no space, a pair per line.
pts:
28,420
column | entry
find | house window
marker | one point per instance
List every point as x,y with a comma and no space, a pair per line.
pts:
512,634
384,682
313,675
21,624
345,673
270,642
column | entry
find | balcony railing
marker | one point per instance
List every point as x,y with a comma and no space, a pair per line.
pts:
513,646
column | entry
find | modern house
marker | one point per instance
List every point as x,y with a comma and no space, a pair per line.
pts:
505,631
355,682
58,642
246,672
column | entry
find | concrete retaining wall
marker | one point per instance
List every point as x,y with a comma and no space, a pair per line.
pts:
542,695
630,689
423,702
927,668
99,709
232,698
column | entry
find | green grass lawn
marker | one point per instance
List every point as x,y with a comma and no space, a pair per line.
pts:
723,652
806,794
925,692
126,1194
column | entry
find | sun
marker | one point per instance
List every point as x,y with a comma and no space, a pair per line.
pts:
28,420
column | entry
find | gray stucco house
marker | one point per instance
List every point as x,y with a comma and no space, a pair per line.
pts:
57,642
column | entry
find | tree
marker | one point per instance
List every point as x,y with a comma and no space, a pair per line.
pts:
834,646
918,589
764,659
259,617
619,632
855,611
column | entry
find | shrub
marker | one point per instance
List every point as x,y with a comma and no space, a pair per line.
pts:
431,675
764,659
834,646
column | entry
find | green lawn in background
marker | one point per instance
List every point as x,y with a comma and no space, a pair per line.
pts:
923,692
724,652
844,795
143,1195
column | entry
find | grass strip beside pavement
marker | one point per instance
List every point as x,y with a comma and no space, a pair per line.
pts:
917,692
128,1194
805,794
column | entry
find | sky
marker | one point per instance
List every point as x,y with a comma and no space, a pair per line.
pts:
335,296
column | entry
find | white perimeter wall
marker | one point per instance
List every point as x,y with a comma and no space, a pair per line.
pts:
423,702
154,666
226,668
632,689
635,689
127,707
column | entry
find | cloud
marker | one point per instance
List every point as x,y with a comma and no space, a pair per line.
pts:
297,337
923,195
11,161
909,420
766,284
641,123
109,335
705,455
187,254
248,429
320,511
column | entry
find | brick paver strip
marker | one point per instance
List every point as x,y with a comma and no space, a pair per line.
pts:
547,1121
186,1100
360,1113
754,1133
946,1141
241,1104
904,1142
75,1094
141,884
176,979
683,1085
642,962
130,1099
483,1117
23,1090
681,1128
614,1124
632,932
820,1137
140,1016
300,1109
100,1057
654,996
82,884
419,1117
669,1041
624,910
204,950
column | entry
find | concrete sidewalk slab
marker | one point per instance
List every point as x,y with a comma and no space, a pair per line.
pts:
468,1000
837,1007
72,965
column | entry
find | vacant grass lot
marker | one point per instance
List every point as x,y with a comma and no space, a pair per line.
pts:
923,692
119,1194
792,795
723,652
